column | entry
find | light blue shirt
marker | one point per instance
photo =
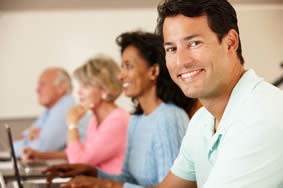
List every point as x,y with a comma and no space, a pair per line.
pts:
152,146
247,149
53,128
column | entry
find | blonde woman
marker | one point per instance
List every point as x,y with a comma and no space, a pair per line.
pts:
156,128
99,87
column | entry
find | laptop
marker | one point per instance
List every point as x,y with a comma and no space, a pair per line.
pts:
30,183
2,182
5,154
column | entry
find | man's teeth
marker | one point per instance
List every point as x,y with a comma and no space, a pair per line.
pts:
125,84
189,74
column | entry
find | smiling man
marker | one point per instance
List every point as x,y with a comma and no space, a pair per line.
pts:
236,139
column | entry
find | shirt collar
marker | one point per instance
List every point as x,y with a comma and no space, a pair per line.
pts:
241,91
243,88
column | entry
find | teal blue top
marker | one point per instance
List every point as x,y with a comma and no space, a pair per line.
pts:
247,149
152,146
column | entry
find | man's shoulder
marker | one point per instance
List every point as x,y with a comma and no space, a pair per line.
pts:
66,101
264,101
260,90
254,99
261,109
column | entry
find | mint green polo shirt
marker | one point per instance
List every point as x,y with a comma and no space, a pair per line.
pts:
247,149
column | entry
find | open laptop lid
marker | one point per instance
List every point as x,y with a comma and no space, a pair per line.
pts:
2,182
5,154
17,173
4,144
33,183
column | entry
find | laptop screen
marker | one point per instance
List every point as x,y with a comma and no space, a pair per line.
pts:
17,174
4,145
37,184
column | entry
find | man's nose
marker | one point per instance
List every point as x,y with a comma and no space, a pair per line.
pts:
183,56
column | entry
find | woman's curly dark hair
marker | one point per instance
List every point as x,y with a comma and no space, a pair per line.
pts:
151,48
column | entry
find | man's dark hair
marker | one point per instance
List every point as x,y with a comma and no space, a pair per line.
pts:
150,47
221,16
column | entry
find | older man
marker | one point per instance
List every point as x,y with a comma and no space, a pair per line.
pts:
48,132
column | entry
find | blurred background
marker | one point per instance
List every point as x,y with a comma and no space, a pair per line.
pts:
35,34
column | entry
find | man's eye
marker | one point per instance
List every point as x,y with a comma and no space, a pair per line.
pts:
171,49
195,43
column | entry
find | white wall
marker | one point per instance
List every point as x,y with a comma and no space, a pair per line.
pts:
261,31
33,40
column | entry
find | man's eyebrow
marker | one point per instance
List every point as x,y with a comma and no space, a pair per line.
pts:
189,37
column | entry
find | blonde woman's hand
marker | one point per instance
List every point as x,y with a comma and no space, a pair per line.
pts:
75,114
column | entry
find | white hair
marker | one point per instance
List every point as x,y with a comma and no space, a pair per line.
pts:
63,76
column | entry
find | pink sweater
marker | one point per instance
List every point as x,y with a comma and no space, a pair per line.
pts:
105,145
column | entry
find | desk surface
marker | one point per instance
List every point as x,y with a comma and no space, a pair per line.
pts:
26,172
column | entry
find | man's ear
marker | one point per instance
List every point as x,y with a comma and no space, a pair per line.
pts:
154,72
62,88
232,40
